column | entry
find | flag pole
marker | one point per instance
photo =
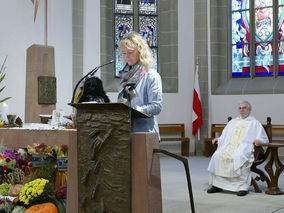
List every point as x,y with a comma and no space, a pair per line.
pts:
196,107
198,131
45,24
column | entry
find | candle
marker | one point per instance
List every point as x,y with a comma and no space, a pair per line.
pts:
5,108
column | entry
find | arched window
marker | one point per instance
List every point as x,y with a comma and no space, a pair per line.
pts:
257,41
137,15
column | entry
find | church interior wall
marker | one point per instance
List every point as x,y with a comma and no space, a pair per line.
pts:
264,93
19,31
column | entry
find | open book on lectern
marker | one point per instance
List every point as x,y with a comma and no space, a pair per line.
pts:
134,113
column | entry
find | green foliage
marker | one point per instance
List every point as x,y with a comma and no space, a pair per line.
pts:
47,171
4,188
2,76
19,209
6,206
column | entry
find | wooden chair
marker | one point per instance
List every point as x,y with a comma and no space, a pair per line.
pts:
278,131
216,130
273,165
259,157
179,136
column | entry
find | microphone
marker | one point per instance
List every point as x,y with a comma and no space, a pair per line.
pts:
90,74
97,68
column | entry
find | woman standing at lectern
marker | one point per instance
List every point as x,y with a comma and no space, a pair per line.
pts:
141,85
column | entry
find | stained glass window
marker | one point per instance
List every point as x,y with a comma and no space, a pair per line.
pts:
148,7
281,38
148,29
123,6
147,22
258,39
240,39
123,25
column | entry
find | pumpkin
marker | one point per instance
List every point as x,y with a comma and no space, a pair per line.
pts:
42,208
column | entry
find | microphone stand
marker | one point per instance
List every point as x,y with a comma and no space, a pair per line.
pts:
90,74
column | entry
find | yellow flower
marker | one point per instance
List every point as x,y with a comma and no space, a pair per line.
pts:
48,149
31,150
31,190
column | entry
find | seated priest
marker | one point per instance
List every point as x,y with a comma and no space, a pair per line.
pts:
229,167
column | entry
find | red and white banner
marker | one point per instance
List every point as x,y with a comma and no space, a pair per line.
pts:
196,106
36,4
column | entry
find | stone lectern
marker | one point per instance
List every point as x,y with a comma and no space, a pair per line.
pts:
105,151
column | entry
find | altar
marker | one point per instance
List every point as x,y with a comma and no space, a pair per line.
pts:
145,167
43,133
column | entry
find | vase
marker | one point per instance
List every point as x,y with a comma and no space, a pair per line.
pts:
11,119
40,160
62,163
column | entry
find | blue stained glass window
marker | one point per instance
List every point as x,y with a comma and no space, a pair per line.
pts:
240,27
281,39
261,39
262,3
148,7
264,24
119,62
263,59
124,23
240,60
148,29
155,55
123,6
238,4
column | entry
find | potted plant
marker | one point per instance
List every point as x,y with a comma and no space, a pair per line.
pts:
62,157
42,154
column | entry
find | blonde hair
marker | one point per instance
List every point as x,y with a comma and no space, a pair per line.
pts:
135,41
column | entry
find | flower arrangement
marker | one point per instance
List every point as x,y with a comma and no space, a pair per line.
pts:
69,125
61,192
61,151
33,192
19,155
6,163
41,154
39,191
40,149
11,159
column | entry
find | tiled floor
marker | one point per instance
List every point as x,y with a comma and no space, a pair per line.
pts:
176,197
